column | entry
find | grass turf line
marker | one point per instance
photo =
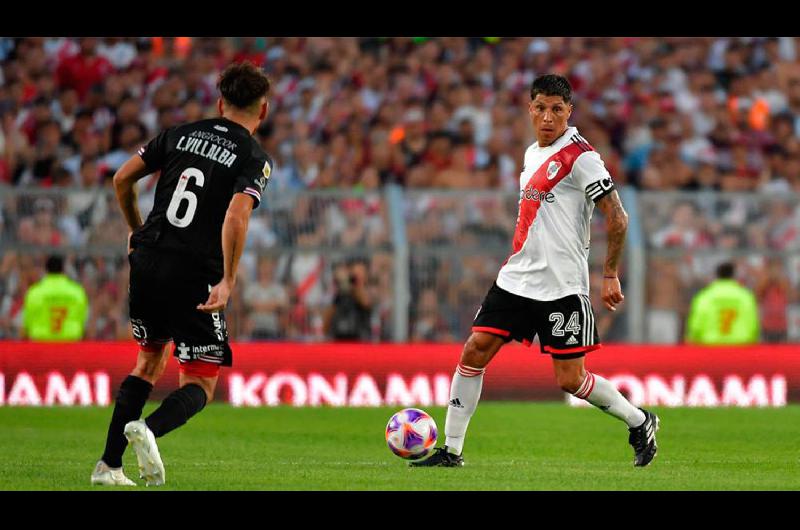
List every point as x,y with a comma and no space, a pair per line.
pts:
510,446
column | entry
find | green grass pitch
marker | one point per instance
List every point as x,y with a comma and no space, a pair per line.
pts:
510,446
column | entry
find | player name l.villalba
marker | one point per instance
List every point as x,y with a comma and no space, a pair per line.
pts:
207,150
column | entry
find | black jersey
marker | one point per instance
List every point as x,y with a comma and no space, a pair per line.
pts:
202,165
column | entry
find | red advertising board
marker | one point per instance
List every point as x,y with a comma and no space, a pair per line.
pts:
264,374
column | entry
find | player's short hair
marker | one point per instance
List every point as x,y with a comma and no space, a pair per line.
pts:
242,85
726,270
54,264
552,85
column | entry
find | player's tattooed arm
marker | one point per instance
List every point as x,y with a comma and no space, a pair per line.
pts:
125,187
616,228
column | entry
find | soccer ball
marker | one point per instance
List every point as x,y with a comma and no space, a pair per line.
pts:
411,434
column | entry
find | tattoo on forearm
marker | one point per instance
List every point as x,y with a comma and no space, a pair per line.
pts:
616,226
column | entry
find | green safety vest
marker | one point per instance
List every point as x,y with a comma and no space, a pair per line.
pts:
724,312
55,309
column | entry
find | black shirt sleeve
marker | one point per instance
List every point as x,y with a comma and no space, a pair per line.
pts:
154,153
254,177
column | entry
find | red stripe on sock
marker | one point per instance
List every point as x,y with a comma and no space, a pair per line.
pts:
586,388
579,393
589,392
468,371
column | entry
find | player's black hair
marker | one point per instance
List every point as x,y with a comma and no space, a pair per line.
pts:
725,270
54,264
243,84
552,85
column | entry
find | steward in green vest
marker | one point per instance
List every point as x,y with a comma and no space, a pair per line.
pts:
723,312
55,307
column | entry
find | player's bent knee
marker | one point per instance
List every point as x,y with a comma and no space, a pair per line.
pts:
569,381
150,366
479,350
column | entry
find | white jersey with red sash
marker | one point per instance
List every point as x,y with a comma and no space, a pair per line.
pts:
559,185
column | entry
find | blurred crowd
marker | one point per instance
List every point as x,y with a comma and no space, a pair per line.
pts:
353,114
666,113
688,235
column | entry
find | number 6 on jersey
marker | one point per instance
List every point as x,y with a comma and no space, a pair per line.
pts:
181,194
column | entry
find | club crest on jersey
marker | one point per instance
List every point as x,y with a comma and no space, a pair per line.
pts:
552,169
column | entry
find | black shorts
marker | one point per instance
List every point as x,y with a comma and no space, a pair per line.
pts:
565,326
165,289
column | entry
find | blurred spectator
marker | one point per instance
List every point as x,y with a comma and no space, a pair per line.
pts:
773,293
84,69
663,318
41,229
348,318
686,230
724,312
430,324
266,302
56,307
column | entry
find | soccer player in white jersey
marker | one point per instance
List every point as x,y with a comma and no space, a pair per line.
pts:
543,287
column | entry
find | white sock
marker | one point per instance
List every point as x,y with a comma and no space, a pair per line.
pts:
603,395
465,391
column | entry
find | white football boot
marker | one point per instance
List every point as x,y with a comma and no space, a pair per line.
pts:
108,476
151,468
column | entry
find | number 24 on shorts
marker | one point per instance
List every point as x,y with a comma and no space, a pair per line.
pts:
572,325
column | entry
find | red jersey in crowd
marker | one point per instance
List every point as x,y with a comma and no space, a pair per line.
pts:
81,72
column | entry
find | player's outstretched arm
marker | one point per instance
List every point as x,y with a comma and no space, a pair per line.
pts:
125,186
234,235
616,228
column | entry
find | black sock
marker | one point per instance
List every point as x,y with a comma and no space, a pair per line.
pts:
132,395
176,409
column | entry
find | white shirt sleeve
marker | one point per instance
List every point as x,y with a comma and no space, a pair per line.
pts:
591,174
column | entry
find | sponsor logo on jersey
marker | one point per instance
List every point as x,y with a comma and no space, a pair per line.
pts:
571,340
552,169
221,128
213,353
266,172
205,349
215,138
532,194
219,326
183,352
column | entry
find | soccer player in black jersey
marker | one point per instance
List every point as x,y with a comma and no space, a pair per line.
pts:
183,261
